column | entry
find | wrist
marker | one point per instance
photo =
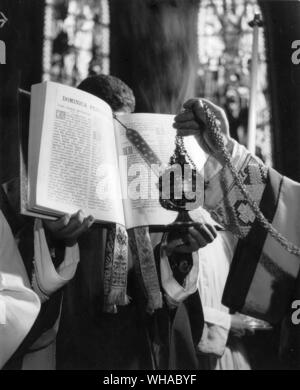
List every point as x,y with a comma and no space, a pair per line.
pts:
56,248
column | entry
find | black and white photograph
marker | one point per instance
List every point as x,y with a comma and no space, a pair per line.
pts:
149,188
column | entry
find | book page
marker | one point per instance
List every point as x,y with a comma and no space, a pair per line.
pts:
78,165
140,179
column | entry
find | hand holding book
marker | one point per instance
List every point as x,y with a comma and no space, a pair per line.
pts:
69,228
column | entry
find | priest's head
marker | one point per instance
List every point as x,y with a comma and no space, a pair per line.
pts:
110,89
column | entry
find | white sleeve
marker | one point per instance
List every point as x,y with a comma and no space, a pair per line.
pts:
46,279
215,260
238,154
173,291
19,305
217,325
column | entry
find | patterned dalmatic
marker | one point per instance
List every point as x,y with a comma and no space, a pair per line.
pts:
232,210
263,273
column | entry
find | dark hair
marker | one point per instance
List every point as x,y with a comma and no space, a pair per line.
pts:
110,89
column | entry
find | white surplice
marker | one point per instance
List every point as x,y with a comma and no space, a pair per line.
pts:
20,303
216,351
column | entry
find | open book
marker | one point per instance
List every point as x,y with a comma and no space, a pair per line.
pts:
80,157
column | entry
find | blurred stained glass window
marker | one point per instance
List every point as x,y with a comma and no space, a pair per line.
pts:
225,49
76,40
